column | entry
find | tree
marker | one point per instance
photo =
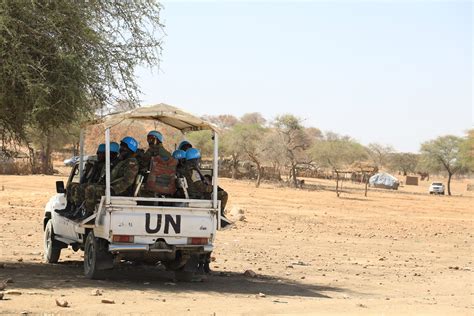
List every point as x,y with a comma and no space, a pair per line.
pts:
467,151
63,60
442,154
253,118
379,153
202,140
337,152
229,145
224,121
295,142
249,141
404,162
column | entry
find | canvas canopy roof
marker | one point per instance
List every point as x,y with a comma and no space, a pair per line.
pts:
164,113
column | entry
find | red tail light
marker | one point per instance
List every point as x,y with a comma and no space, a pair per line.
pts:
122,238
198,241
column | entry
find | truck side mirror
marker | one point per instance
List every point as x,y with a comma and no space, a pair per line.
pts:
60,187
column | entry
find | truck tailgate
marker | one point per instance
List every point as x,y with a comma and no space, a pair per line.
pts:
163,223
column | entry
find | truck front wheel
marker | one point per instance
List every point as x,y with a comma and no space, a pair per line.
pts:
96,257
52,247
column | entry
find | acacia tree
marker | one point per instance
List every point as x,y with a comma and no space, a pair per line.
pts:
337,152
404,162
248,140
295,141
230,147
63,60
443,154
467,151
379,153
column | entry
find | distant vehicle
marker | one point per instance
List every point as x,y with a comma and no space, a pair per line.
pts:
70,162
436,188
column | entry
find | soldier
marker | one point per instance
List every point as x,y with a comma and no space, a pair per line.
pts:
155,143
180,156
198,185
95,173
89,169
122,176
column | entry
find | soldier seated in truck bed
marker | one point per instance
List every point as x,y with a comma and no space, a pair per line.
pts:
122,177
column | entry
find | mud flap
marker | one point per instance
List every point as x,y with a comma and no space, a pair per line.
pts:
192,264
105,260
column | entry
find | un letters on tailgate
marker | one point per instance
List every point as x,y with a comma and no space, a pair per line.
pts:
162,223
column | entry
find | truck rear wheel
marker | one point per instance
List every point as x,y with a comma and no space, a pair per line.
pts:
52,247
96,257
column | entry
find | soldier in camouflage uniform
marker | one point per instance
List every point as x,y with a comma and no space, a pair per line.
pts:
94,172
90,169
155,142
198,186
122,176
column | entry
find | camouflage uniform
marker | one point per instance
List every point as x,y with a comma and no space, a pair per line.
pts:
122,179
145,161
152,151
198,189
91,175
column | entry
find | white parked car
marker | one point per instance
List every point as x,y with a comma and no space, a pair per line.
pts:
436,188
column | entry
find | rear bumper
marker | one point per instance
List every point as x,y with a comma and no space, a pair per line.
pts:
146,248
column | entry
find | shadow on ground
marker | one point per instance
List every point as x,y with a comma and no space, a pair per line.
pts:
68,275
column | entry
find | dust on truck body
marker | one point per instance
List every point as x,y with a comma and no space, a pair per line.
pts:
175,231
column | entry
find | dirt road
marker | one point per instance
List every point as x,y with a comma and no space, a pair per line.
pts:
391,253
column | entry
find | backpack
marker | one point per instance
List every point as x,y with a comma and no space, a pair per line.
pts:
162,177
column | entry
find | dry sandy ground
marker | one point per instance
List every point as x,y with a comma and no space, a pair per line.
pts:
402,252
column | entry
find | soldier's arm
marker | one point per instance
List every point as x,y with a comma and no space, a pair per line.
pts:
120,185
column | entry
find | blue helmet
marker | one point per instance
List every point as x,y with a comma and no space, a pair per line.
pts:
193,153
157,135
101,148
184,143
131,143
179,154
114,147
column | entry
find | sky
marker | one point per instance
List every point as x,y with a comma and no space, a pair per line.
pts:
392,72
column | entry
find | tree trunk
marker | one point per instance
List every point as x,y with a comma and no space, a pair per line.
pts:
337,184
293,174
366,184
46,165
259,175
449,182
234,167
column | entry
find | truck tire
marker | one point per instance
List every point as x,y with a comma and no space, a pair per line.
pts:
52,247
96,257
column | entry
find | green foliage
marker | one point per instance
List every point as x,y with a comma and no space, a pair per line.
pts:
62,60
442,154
295,142
379,154
467,151
404,162
203,141
337,152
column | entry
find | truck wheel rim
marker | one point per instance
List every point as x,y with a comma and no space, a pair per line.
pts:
90,254
48,239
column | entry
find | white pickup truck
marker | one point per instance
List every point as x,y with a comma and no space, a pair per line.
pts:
179,233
